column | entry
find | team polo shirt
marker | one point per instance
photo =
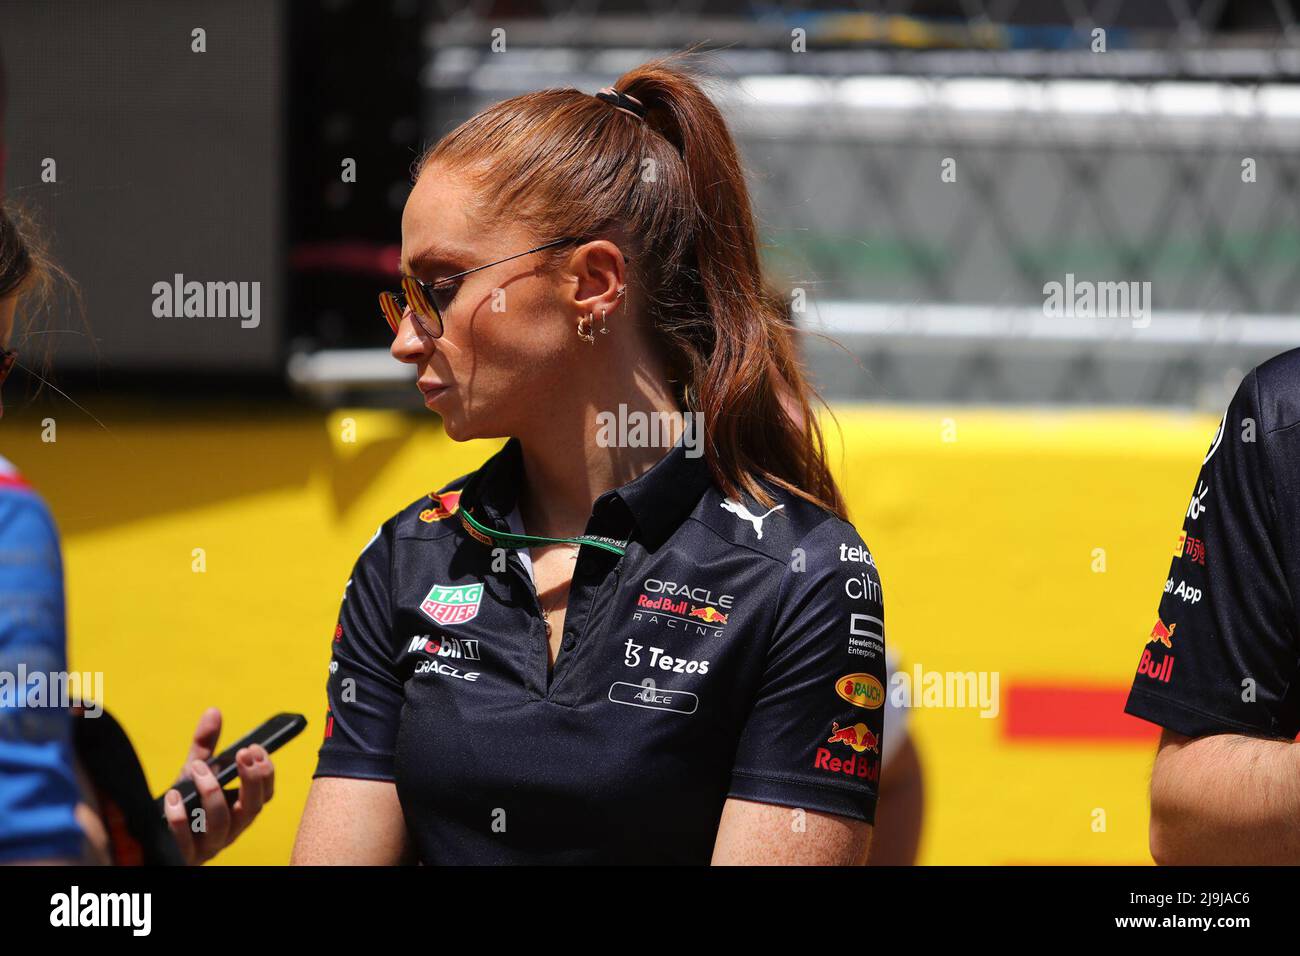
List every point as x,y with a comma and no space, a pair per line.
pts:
734,650
1224,654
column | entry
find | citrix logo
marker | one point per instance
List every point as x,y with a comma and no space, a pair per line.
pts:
862,588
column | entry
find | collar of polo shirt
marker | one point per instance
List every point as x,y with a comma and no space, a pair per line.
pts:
656,502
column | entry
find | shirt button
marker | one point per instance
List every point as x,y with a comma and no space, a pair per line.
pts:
569,640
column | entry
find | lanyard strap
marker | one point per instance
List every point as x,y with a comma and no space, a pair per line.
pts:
508,539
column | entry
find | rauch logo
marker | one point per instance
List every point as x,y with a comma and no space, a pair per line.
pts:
861,690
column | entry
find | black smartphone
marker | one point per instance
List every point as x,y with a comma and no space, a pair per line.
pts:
272,735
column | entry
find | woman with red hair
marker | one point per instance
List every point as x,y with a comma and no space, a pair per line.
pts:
612,643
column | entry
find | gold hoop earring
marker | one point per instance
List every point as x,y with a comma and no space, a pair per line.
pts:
584,329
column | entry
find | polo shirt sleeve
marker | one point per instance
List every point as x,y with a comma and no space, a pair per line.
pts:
365,694
1222,657
38,787
813,738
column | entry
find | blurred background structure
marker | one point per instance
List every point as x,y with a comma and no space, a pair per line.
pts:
923,171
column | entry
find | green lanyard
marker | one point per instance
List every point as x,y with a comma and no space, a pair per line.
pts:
508,539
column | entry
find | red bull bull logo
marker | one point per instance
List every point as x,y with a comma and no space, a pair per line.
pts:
444,506
859,737
710,614
1160,634
861,690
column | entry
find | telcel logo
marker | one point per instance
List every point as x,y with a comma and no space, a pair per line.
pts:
856,553
861,690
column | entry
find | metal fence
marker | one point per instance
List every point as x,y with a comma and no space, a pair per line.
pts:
925,173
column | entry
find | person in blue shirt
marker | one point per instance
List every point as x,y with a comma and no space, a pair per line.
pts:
38,786
48,805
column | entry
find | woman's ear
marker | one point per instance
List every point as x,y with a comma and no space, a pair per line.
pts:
601,280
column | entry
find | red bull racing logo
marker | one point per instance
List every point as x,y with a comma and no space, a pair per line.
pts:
449,605
682,607
444,506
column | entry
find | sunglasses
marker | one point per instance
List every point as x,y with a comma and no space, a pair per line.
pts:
428,300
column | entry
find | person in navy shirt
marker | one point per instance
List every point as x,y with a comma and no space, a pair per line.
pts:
1220,670
643,631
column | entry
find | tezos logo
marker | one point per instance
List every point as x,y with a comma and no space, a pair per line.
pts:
658,659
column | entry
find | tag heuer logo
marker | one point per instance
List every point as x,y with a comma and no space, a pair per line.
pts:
452,605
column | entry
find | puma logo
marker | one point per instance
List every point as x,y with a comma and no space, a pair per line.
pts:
740,511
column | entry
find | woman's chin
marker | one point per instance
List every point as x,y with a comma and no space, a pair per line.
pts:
456,427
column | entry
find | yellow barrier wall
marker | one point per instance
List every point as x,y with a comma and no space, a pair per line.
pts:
984,524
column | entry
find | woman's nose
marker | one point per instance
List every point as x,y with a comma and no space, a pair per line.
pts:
409,345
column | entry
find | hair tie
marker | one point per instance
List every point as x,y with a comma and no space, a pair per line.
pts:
621,101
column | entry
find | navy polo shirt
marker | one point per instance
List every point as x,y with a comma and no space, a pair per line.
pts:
733,651
1223,656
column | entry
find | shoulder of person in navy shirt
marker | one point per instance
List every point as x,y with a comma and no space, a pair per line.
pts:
643,631
1220,667
56,807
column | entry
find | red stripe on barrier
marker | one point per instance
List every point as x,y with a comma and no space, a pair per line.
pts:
1072,712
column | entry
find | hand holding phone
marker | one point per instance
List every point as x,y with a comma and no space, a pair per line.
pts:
203,817
271,735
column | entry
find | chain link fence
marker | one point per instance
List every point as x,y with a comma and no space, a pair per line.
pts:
1035,202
